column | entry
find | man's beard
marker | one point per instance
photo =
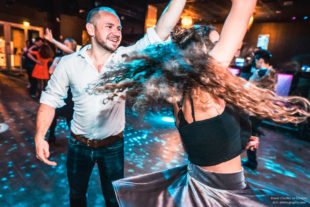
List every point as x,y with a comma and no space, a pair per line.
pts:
104,46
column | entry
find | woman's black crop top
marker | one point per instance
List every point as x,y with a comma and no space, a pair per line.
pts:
212,141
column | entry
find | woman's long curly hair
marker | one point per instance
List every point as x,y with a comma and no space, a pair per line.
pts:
163,73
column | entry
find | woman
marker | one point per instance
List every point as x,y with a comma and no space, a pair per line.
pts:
68,47
44,59
26,62
209,105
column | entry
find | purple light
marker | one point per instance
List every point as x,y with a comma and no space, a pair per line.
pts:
284,84
293,18
234,71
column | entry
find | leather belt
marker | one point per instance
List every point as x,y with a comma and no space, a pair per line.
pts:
97,143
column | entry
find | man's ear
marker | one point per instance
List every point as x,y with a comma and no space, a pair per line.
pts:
90,29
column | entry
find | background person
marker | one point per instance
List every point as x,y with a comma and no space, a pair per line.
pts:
68,47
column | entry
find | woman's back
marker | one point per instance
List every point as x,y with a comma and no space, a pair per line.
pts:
40,71
213,136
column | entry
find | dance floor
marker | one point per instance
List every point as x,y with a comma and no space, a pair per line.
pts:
151,144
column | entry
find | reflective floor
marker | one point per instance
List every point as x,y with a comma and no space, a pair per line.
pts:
151,144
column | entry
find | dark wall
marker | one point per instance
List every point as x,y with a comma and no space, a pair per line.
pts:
71,27
287,41
18,13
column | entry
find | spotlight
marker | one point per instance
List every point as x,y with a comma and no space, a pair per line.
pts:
168,119
305,17
293,18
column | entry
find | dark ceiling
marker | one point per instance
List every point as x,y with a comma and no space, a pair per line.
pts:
210,11
202,11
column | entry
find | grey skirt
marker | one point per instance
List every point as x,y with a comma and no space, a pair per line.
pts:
192,186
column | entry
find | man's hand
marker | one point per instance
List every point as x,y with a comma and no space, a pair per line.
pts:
253,143
39,62
43,152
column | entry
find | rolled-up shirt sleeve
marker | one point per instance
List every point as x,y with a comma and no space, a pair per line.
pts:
57,87
151,37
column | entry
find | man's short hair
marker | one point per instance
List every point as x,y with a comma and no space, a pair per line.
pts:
38,39
94,12
263,54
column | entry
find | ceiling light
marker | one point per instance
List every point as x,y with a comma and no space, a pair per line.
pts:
187,21
26,24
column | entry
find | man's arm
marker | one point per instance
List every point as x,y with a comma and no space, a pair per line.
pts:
29,55
169,18
51,98
233,30
45,117
163,28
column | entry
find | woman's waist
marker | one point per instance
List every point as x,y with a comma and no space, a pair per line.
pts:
231,166
232,179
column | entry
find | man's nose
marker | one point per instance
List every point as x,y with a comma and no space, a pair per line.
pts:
116,32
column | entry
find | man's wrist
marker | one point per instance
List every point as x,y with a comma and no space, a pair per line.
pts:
38,138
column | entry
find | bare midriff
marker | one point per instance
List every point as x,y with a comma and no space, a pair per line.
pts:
230,166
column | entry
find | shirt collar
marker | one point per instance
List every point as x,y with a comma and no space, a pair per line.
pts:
82,52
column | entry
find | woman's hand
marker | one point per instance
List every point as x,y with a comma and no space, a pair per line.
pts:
48,35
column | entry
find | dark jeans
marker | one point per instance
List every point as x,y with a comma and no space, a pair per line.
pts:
256,123
33,81
80,163
65,111
33,86
252,159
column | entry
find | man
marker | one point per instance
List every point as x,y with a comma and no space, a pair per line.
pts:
29,64
96,128
264,77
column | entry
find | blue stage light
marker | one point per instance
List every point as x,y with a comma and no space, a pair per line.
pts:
167,119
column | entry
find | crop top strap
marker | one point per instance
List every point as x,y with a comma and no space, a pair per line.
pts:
180,103
193,111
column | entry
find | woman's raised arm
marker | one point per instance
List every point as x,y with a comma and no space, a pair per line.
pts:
233,31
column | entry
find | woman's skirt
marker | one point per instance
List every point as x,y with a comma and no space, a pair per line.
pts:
192,186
